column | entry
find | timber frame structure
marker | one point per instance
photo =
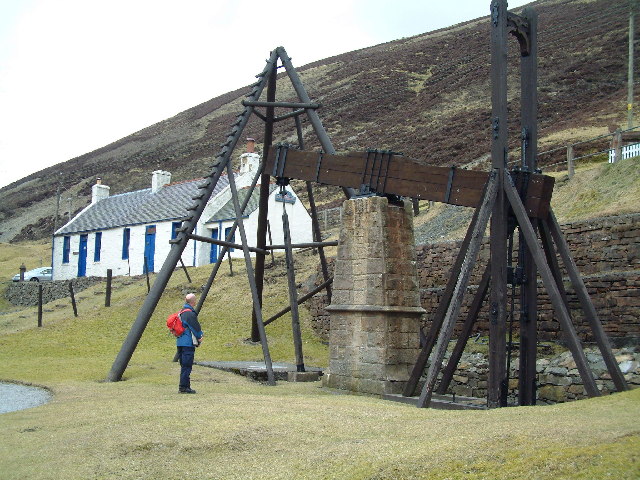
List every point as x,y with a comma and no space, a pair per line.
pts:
518,199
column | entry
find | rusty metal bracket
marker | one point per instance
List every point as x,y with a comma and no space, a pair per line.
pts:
318,165
447,195
520,28
281,161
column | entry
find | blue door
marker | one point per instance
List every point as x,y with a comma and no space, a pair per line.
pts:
149,248
213,256
82,256
227,231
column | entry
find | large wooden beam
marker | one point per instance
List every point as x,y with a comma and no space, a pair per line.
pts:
400,176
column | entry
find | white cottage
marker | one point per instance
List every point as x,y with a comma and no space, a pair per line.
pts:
130,232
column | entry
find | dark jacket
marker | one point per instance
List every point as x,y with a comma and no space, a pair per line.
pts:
191,324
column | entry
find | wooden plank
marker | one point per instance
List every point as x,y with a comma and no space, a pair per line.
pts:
458,293
467,327
405,177
587,306
554,295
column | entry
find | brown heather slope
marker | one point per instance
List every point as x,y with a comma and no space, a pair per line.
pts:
427,96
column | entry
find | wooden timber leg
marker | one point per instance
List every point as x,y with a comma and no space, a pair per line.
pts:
461,285
467,327
293,295
263,210
528,329
257,304
496,385
529,291
550,284
587,305
438,317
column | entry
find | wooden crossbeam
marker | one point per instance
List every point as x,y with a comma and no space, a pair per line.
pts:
402,176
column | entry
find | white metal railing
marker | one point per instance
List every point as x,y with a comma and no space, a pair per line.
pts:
628,151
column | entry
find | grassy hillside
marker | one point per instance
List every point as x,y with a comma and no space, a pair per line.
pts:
427,96
598,189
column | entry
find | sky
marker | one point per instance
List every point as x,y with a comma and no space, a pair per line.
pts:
76,75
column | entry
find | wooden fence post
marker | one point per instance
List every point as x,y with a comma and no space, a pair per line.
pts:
570,158
107,300
230,263
73,299
39,305
617,145
146,271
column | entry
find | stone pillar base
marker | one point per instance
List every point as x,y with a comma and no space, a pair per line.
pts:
375,311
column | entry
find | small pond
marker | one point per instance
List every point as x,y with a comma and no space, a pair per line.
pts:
14,396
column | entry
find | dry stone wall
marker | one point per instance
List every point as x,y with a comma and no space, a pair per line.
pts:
25,294
606,251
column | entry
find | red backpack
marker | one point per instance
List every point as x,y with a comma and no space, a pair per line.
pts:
174,323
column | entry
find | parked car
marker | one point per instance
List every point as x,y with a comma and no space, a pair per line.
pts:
36,275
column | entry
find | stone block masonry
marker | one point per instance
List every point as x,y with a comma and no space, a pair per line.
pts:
606,251
375,312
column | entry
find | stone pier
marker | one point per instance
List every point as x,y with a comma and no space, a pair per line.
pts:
375,310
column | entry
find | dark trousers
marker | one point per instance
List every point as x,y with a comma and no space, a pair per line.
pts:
186,355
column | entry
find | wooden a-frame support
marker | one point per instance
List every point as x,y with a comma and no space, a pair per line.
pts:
499,199
505,201
266,79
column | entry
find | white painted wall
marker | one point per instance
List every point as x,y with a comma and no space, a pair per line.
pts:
111,252
195,254
299,224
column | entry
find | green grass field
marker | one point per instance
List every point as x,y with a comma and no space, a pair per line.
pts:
141,428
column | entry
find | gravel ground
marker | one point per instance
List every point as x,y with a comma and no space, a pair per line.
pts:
18,397
450,220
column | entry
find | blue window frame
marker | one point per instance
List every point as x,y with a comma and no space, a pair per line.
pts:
126,237
66,247
174,227
97,247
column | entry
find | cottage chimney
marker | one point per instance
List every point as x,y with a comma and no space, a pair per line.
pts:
159,179
250,160
99,191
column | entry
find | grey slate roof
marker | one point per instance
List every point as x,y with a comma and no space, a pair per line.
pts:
139,207
228,211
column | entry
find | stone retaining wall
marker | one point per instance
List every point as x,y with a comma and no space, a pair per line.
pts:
26,293
606,251
558,378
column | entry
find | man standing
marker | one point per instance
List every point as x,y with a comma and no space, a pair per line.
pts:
187,342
